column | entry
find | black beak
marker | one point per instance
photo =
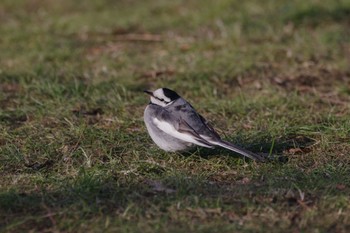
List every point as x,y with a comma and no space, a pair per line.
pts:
148,92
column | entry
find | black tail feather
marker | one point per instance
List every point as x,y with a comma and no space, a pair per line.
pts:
240,150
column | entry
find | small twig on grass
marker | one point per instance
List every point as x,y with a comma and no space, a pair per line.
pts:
272,146
88,159
139,37
50,215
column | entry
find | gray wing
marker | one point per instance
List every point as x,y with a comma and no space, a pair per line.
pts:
176,126
199,124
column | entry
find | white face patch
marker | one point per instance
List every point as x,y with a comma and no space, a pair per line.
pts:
158,102
159,93
159,98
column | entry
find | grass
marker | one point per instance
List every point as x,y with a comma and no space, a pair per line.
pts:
272,76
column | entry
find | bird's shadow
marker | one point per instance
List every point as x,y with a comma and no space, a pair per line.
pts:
271,148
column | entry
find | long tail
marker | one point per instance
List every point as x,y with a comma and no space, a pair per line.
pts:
240,150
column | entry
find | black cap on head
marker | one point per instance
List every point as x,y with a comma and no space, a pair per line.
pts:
170,94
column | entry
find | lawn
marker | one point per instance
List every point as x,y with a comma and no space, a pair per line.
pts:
271,76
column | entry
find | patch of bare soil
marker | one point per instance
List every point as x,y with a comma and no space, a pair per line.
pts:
331,85
311,77
9,93
92,116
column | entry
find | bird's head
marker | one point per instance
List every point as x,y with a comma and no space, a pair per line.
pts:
162,96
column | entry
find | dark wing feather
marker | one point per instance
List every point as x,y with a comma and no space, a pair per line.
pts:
182,127
210,128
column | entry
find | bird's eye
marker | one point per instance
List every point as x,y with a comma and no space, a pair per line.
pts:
163,100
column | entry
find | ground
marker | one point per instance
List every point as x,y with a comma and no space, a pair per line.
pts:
271,76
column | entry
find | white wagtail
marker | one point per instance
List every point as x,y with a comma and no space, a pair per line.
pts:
174,125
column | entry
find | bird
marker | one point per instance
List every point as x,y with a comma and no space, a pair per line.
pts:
175,126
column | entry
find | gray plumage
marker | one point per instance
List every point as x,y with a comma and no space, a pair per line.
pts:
174,125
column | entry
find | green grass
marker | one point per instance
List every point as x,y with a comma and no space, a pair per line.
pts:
272,76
